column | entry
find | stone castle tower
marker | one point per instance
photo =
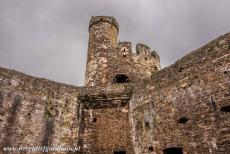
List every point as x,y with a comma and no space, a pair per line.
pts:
110,61
127,106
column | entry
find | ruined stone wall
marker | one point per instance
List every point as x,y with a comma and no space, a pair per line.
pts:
186,105
37,112
106,126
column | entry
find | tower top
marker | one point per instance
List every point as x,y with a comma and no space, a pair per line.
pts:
109,19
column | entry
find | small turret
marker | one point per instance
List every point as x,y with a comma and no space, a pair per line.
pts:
142,49
147,59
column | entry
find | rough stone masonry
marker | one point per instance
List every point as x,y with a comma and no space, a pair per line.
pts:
128,104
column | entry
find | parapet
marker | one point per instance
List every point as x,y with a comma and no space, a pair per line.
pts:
109,19
142,48
155,54
126,45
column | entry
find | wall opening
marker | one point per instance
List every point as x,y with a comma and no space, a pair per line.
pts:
173,151
183,120
119,152
121,78
225,108
147,124
150,149
94,120
124,52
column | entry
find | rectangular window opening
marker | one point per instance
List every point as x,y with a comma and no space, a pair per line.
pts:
119,152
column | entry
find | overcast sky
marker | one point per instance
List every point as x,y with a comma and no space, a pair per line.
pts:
49,38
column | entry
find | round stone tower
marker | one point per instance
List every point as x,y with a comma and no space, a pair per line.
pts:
103,31
113,62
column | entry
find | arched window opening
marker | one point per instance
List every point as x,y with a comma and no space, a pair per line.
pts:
173,151
121,78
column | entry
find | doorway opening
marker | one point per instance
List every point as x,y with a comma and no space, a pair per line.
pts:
173,151
121,78
119,152
225,108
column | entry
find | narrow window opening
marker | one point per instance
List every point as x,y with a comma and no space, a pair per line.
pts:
121,78
146,58
29,114
147,125
225,108
119,152
0,120
150,148
183,120
124,52
173,151
225,72
94,120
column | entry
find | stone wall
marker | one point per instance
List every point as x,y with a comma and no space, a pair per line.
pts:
185,105
37,112
106,127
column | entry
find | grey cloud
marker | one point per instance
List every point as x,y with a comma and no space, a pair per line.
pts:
48,38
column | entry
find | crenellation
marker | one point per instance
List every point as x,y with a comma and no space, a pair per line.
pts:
143,49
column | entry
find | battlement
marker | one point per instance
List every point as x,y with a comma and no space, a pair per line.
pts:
143,49
109,19
127,46
155,54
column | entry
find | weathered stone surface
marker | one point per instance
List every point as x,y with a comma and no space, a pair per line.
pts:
196,88
27,111
184,107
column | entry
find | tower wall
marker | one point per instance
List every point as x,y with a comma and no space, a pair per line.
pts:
103,33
